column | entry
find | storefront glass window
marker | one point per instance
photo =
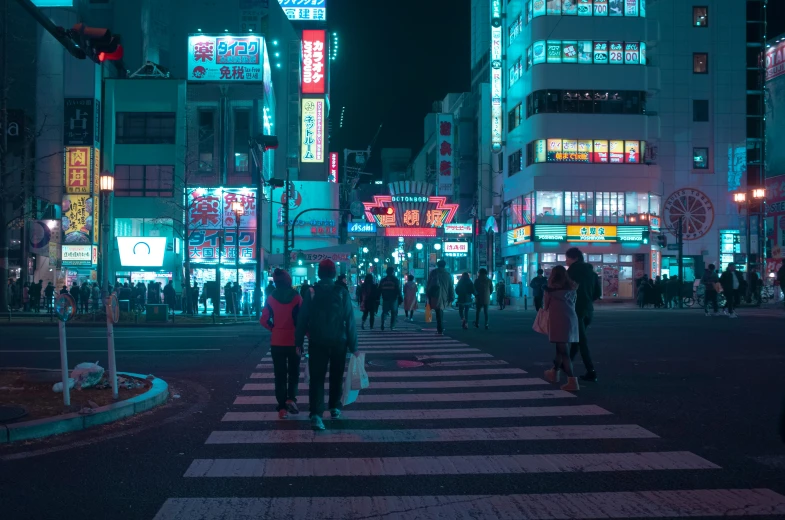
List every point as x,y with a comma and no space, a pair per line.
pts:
561,258
625,259
610,207
610,259
655,201
550,207
637,204
548,257
579,206
595,258
143,227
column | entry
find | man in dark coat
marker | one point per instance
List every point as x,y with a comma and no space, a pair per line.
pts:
75,294
49,293
731,281
169,296
537,285
392,296
441,293
588,290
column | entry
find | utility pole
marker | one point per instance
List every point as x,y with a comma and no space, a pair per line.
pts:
4,304
287,263
680,243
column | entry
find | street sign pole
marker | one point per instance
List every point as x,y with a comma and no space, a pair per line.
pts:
680,243
64,363
112,314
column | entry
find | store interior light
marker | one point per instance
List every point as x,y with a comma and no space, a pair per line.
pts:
418,246
437,247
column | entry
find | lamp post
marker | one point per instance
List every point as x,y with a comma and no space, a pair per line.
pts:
754,199
106,186
238,210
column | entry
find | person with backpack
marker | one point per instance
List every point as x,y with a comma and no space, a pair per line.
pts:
392,296
483,288
369,299
465,291
441,293
280,317
537,285
327,318
588,291
410,298
731,281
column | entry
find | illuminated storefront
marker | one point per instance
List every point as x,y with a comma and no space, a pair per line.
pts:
537,8
597,151
586,52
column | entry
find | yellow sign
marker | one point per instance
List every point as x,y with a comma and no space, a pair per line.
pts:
595,233
312,131
77,169
77,219
96,219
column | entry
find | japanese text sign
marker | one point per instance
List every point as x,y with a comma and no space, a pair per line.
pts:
519,235
77,219
459,229
496,75
775,61
211,208
411,211
227,58
444,153
77,169
457,249
305,10
77,255
206,245
313,62
79,122
312,130
333,167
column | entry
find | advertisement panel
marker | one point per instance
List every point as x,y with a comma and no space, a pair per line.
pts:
312,130
361,228
305,11
519,235
538,52
775,198
616,53
308,195
538,8
616,150
775,110
600,52
77,255
77,169
569,52
333,177
591,233
496,76
141,251
553,51
459,229
444,126
211,208
600,7
79,122
77,219
455,249
415,212
632,53
313,62
631,8
225,57
204,246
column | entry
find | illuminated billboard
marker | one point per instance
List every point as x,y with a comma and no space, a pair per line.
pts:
77,255
333,177
519,235
588,52
225,58
459,229
496,75
313,62
598,233
312,131
77,219
211,208
209,245
586,151
775,61
444,147
305,10
309,195
141,251
630,8
77,169
456,249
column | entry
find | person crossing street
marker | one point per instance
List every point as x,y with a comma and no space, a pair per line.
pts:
392,296
441,293
588,291
483,288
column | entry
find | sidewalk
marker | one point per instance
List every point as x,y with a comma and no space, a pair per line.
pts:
126,320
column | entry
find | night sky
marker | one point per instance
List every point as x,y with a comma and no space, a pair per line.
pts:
395,61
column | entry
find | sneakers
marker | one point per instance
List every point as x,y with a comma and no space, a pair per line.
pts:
283,414
335,413
291,407
316,423
572,385
552,375
589,377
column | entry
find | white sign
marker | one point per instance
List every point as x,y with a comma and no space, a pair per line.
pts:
445,152
312,130
496,76
456,248
225,57
459,229
141,251
305,10
77,255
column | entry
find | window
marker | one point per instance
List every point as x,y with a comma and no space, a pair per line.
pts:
700,158
636,206
515,29
145,128
516,71
700,63
143,227
579,207
700,16
242,133
519,212
514,117
631,102
514,162
585,151
206,139
550,207
700,110
143,181
609,207
585,8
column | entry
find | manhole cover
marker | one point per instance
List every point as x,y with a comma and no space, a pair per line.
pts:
395,363
10,413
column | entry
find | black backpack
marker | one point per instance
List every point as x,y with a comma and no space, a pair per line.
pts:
327,325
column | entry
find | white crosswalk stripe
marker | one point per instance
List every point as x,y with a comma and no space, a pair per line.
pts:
515,424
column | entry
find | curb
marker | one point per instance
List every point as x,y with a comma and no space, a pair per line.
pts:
102,324
36,429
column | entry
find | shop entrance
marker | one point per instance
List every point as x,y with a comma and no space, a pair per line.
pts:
244,296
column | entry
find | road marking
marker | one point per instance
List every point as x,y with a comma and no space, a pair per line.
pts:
448,465
409,345
419,415
523,433
140,337
126,351
455,356
418,372
424,398
579,506
419,351
468,363
407,385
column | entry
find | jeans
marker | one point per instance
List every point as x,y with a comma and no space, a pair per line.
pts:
501,301
439,319
286,366
463,311
390,307
537,303
730,300
318,359
484,307
710,298
583,343
371,313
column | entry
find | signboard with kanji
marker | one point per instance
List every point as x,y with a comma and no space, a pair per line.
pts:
79,122
204,246
78,169
225,58
211,208
305,10
312,130
77,219
313,62
444,154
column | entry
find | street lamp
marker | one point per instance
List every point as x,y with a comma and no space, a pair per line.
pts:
238,209
437,246
106,186
418,246
754,199
365,250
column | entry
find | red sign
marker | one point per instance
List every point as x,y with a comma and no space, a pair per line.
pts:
313,64
204,246
333,167
775,61
409,232
411,211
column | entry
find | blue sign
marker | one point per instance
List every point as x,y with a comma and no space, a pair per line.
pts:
305,10
361,227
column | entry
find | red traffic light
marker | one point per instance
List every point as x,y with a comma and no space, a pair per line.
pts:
382,211
98,44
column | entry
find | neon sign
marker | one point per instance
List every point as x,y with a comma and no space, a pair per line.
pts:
496,75
313,69
333,167
434,213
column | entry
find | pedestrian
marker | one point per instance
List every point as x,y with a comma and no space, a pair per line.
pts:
391,295
672,292
26,297
369,299
342,281
501,294
483,288
465,291
731,282
280,317
237,292
755,287
229,298
304,288
781,279
328,320
64,290
410,297
711,286
35,296
559,302
170,296
15,291
75,294
270,288
537,285
96,295
194,308
84,297
588,291
657,292
643,289
49,293
441,293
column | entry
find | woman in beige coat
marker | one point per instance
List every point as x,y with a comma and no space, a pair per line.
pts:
559,303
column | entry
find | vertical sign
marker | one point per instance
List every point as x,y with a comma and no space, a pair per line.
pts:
444,143
496,75
77,169
313,64
79,122
312,145
333,167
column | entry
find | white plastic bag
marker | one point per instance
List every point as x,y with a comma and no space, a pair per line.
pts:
58,387
355,379
87,374
541,322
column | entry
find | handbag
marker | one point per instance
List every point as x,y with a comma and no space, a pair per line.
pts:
355,379
541,322
428,313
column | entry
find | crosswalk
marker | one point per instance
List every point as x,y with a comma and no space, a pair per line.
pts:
464,436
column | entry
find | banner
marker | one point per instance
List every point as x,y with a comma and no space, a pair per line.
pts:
79,122
312,130
444,143
313,62
77,169
77,219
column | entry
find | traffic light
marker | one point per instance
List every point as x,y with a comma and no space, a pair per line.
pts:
382,211
662,241
98,44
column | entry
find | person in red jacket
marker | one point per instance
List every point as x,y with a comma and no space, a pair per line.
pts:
280,317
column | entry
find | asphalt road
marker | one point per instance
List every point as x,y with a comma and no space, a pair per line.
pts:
699,397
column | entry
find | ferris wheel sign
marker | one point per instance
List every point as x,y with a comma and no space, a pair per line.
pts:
695,210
